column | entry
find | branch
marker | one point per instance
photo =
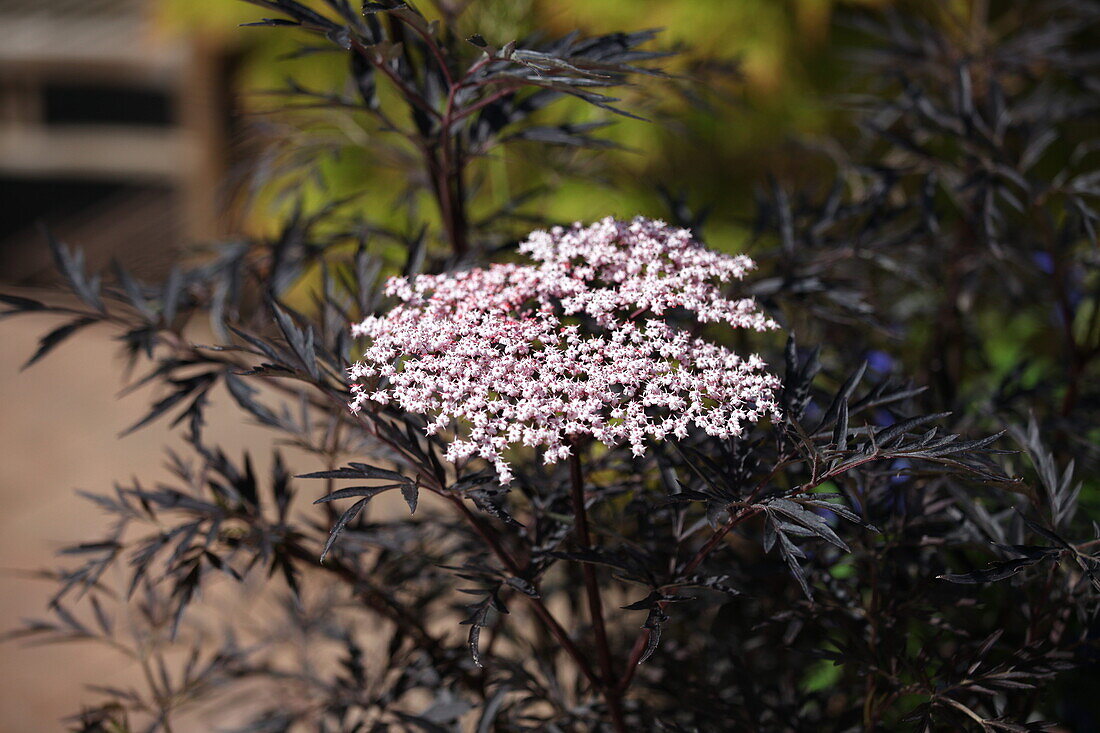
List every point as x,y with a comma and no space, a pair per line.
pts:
642,640
539,607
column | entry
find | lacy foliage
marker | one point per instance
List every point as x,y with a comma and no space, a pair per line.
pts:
865,560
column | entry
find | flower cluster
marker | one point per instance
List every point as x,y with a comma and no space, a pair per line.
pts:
575,345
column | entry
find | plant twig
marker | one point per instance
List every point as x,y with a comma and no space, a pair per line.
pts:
537,604
592,590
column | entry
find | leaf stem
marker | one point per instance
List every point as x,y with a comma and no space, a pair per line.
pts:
509,562
642,640
611,690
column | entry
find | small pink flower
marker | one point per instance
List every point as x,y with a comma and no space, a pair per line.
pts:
542,354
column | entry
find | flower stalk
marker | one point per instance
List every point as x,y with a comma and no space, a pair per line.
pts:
610,685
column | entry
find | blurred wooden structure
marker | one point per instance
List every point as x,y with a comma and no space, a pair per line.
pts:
114,136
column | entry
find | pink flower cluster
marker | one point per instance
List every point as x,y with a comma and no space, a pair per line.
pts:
575,345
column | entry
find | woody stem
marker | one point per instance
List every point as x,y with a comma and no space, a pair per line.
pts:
611,691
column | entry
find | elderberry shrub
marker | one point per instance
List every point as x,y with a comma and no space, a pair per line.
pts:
634,500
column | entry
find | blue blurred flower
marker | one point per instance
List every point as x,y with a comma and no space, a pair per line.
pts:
880,361
1043,261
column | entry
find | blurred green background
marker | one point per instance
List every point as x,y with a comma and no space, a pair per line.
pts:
147,121
765,71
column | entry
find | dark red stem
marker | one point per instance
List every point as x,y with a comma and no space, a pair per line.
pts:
610,687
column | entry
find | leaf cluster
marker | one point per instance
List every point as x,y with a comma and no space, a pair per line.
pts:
885,557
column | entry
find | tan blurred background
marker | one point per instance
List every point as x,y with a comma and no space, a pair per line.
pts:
122,127
114,136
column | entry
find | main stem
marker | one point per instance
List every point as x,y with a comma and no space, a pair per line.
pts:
449,185
611,690
642,641
540,608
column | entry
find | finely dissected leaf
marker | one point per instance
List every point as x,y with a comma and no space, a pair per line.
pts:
259,344
597,557
56,336
842,511
171,294
20,304
191,387
475,621
274,22
996,571
365,491
349,514
805,518
840,430
568,135
363,75
652,624
1061,491
489,502
644,604
473,481
301,340
297,11
714,582
473,641
244,396
522,586
844,395
411,493
491,710
798,379
888,434
358,470
792,554
133,291
71,265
